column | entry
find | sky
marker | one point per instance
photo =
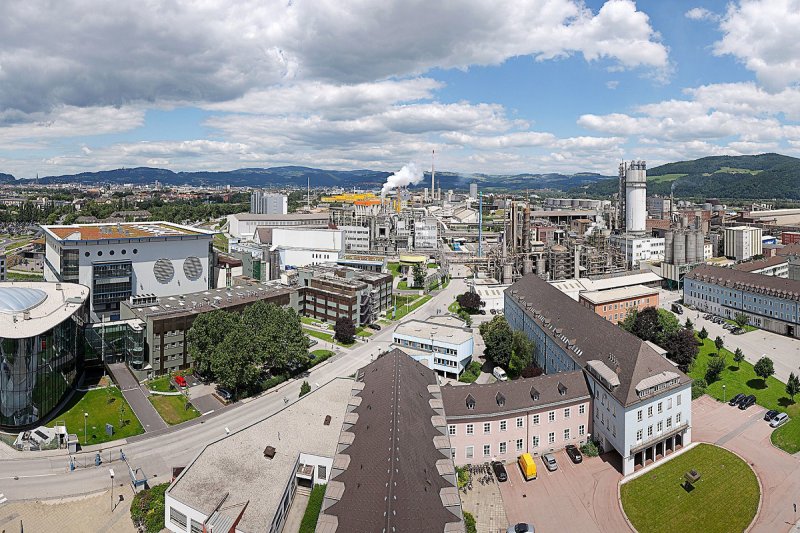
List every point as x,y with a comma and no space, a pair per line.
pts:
493,87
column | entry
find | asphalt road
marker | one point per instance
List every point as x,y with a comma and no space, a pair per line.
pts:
44,475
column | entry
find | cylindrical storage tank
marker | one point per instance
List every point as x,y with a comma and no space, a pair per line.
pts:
691,243
685,221
669,239
706,206
527,266
700,247
508,273
635,197
679,248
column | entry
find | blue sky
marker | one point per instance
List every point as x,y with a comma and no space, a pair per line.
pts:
517,86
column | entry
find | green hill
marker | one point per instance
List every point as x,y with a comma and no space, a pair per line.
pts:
746,176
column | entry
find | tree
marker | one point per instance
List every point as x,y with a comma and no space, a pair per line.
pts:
688,324
651,324
466,317
764,368
703,334
279,340
738,357
646,324
699,387
236,361
715,367
345,330
469,301
419,275
521,354
498,339
305,388
741,320
793,385
667,325
682,348
719,343
207,330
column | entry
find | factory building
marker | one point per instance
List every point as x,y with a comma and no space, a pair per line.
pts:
742,242
638,249
296,247
615,304
117,261
243,225
262,203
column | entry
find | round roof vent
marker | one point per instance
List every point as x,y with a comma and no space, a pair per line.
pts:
163,270
193,268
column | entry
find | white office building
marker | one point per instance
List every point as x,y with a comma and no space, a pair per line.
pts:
440,343
295,247
742,242
244,225
117,261
639,248
356,238
262,203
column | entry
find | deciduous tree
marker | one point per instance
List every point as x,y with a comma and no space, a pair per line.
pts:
469,301
345,330
682,348
793,385
498,338
764,368
738,357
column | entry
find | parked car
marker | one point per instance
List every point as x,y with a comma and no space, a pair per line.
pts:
376,327
225,394
677,309
737,331
780,419
521,528
499,471
180,381
736,399
482,311
550,462
493,311
500,374
769,415
747,402
574,453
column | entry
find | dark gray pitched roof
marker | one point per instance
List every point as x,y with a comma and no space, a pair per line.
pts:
631,359
515,395
737,279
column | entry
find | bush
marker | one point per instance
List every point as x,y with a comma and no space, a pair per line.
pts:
305,388
699,388
147,508
310,517
471,373
469,301
590,449
469,523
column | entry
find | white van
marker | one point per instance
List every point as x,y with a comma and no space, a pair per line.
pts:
500,374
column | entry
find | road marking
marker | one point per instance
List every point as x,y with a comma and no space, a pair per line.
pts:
33,475
3,499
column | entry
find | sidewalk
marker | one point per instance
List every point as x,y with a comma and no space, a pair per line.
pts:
136,398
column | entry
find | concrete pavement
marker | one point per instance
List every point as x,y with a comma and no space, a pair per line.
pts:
43,475
136,398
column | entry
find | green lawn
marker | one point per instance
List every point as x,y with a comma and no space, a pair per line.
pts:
771,394
325,336
309,320
19,276
173,408
665,177
402,286
747,328
161,384
725,498
454,307
309,522
364,332
103,406
412,305
394,268
221,242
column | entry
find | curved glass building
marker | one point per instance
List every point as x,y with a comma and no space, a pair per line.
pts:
41,343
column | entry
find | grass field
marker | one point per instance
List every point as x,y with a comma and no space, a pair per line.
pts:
394,268
103,406
413,304
19,276
173,408
731,170
161,384
364,332
221,242
664,178
454,307
725,498
325,336
771,394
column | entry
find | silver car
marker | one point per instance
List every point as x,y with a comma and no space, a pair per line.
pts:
550,462
780,419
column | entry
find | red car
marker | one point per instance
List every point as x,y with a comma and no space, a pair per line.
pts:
180,381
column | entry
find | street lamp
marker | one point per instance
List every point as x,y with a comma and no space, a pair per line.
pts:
723,393
111,472
85,418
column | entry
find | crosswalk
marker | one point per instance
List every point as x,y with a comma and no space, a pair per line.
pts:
3,499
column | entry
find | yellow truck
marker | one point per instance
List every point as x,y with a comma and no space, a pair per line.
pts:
527,466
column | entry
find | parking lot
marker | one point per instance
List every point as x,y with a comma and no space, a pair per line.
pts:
580,497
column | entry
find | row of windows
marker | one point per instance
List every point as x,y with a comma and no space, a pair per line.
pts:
631,303
111,252
659,427
659,408
520,421
502,447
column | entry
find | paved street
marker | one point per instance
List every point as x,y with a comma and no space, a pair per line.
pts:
136,398
45,475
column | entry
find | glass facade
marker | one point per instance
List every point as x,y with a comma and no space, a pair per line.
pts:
111,284
36,372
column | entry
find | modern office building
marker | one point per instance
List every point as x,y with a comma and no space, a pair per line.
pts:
356,239
298,247
770,302
742,242
165,321
247,481
262,203
445,348
117,261
41,347
243,225
392,470
641,402
638,248
615,304
500,421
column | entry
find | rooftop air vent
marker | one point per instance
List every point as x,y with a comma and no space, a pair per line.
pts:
327,420
269,452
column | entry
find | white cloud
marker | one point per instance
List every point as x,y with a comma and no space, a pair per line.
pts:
701,13
762,34
612,84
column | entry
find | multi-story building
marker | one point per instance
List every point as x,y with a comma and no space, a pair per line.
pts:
658,207
117,261
243,225
356,239
638,248
777,265
2,267
615,304
442,346
262,203
426,233
770,302
298,247
165,321
641,402
500,421
41,348
742,242
330,291
790,237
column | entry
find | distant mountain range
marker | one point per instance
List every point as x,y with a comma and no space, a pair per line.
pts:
751,176
747,177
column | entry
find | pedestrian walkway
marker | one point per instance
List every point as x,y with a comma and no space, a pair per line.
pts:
136,397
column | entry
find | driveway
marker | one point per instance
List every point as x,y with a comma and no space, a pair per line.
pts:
747,434
573,498
136,398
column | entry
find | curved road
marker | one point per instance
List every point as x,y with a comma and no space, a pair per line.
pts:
44,475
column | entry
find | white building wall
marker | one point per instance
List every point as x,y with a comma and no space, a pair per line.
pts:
458,360
190,513
356,238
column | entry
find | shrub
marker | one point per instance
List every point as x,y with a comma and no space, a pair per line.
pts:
305,388
313,508
469,523
590,449
699,388
147,508
345,330
471,373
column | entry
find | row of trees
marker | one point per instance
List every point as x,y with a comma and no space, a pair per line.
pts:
237,349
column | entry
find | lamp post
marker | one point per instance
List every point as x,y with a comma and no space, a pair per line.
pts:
111,473
85,418
723,393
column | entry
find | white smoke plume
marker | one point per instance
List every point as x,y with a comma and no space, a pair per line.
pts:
408,175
